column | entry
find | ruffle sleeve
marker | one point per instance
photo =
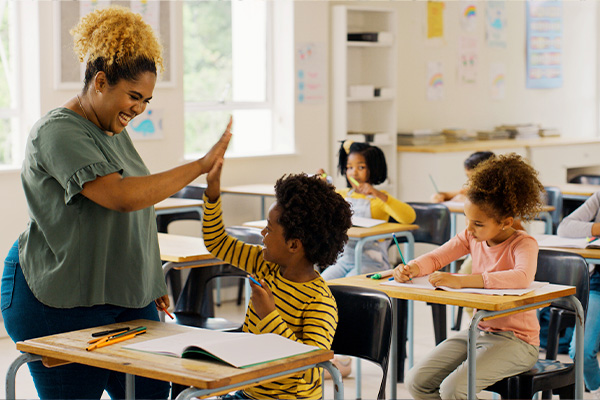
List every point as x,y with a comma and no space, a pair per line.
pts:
87,174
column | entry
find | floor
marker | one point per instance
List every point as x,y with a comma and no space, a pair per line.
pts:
371,375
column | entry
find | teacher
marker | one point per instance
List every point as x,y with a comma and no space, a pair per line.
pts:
90,255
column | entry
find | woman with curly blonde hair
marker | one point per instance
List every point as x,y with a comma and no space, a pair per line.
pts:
499,190
90,255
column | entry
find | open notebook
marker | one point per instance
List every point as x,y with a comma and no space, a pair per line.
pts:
557,241
237,349
422,282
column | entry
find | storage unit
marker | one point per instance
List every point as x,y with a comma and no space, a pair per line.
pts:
364,82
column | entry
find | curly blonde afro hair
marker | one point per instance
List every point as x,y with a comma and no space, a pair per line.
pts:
117,41
506,186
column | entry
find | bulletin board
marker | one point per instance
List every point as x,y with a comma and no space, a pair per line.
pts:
69,72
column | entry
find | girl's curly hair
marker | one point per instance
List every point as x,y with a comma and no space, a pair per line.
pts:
118,42
314,213
506,186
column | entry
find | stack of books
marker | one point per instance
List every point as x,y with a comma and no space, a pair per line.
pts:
549,132
458,134
496,134
521,131
420,137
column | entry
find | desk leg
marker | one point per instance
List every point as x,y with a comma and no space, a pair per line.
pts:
338,385
579,325
129,386
11,373
471,348
393,360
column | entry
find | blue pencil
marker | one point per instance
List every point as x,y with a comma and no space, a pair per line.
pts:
398,247
433,183
254,280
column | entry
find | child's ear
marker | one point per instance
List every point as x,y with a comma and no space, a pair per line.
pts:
294,245
507,222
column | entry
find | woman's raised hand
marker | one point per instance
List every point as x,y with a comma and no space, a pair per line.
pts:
217,151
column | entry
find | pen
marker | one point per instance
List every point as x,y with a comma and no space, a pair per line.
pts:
433,183
108,337
110,332
592,239
353,181
254,280
381,274
167,312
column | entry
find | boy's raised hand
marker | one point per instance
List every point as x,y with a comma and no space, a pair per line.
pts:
262,299
213,180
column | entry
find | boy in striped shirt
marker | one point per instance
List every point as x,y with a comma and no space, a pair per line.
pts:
306,226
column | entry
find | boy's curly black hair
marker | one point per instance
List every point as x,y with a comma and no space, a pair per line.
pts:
314,213
506,186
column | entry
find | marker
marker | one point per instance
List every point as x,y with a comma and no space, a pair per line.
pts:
167,312
433,183
254,280
110,332
401,256
592,239
382,274
109,337
353,181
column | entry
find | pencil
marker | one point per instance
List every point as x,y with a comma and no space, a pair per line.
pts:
254,280
119,339
433,183
167,312
398,247
353,181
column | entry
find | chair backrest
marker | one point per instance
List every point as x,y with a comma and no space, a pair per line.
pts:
586,179
563,268
364,327
246,234
434,223
188,192
553,197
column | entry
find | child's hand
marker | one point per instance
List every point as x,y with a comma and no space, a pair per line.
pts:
322,174
404,273
213,180
368,190
445,279
438,198
262,299
217,151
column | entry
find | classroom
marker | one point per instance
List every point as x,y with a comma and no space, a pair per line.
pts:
292,116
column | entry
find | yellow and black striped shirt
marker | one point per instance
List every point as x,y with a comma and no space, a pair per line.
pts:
305,311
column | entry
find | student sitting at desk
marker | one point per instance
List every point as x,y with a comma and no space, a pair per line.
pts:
584,222
499,190
306,226
363,166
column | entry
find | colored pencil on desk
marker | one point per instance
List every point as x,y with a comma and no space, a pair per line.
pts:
433,183
119,339
592,239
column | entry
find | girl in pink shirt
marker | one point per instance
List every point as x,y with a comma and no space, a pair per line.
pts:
499,190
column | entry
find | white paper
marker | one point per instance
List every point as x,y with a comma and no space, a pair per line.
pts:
366,222
422,282
557,241
237,349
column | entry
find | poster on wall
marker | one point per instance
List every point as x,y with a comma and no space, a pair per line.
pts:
495,23
468,15
435,80
147,126
310,73
435,19
498,80
468,60
544,44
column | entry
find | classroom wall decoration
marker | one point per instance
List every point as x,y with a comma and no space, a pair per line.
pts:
468,60
498,80
468,16
68,70
310,73
495,23
147,126
435,80
435,19
544,44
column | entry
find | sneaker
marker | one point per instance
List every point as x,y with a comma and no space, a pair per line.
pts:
595,393
343,364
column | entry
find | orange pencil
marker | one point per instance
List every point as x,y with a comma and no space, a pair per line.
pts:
166,312
119,339
97,342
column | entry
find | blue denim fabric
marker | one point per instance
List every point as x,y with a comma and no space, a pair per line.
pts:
591,343
26,318
239,395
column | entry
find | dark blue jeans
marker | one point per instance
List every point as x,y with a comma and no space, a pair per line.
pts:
26,318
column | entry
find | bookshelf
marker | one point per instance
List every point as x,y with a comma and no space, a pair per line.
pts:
358,67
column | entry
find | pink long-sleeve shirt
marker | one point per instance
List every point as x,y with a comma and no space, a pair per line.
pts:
509,265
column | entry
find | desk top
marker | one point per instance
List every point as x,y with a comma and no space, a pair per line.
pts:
70,347
592,254
480,301
356,231
259,189
458,207
577,189
174,203
178,248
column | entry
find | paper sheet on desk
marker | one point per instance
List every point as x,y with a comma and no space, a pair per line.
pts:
422,282
557,241
366,222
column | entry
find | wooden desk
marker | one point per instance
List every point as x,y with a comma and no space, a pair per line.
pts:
592,256
577,191
206,377
174,205
262,190
487,306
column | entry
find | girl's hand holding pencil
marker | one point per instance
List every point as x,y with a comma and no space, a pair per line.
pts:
404,273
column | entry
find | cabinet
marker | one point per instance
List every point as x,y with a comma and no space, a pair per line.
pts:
364,114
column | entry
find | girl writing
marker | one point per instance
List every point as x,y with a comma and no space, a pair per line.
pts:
364,166
499,190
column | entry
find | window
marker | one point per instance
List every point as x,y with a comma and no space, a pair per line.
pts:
9,90
228,70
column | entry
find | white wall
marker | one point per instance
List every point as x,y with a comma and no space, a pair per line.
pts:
571,108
